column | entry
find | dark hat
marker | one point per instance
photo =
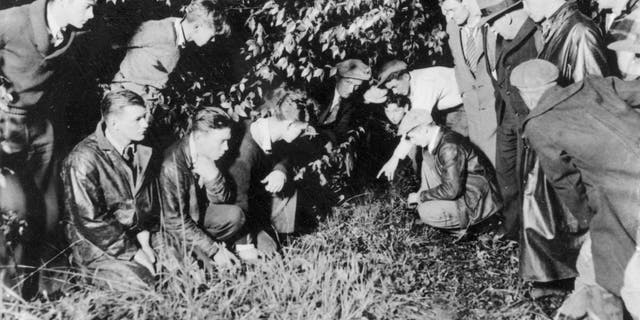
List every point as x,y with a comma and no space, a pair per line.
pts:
493,9
390,68
534,74
413,119
354,69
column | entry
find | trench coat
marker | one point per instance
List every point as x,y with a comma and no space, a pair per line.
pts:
587,139
106,209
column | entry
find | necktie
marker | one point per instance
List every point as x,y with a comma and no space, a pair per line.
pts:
471,52
129,156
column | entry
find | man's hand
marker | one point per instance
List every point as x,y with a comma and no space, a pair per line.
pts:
205,168
225,259
275,181
413,198
389,169
328,146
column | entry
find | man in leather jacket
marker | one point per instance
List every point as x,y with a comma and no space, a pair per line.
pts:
111,196
458,187
572,41
194,191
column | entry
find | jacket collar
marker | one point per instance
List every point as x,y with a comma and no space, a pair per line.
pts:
552,98
40,30
143,152
529,27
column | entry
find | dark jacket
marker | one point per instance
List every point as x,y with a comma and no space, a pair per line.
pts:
184,203
574,44
588,143
247,167
27,56
103,205
509,54
337,131
466,177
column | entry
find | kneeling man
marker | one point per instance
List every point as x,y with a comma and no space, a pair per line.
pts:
458,187
110,196
194,191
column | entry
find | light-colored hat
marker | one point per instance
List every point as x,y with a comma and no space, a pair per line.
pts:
494,9
354,69
534,74
631,44
413,119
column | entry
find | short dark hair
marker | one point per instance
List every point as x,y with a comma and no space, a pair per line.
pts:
114,101
400,100
208,118
210,12
396,75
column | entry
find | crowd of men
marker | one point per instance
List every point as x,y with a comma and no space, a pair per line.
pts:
539,132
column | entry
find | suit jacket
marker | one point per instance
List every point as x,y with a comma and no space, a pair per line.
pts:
587,139
105,208
476,90
27,56
337,131
184,202
509,54
574,44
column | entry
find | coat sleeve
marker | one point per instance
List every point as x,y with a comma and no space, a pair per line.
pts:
240,171
217,190
563,176
177,218
589,54
627,91
453,176
83,194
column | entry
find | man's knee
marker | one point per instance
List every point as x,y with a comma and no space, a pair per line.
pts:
440,214
224,221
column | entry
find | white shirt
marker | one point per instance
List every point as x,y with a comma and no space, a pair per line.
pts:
192,148
333,109
261,135
180,40
434,142
56,31
113,142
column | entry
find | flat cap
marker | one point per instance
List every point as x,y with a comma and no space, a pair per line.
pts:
390,68
627,45
354,69
413,119
491,10
534,74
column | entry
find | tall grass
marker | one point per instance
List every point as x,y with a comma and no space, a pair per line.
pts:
369,260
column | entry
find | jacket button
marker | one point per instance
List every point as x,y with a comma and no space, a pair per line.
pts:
508,92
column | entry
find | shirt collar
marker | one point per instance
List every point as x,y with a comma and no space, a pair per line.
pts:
192,148
434,142
119,148
180,39
261,135
56,31
336,100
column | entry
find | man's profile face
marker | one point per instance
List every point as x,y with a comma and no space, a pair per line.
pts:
203,34
214,143
347,86
503,27
628,64
131,122
399,86
456,11
395,113
293,131
78,12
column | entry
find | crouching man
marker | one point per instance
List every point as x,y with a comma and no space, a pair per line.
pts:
110,196
261,173
194,190
457,185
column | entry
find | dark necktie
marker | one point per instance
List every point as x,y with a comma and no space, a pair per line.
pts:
129,157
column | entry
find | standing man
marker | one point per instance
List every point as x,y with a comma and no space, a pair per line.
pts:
154,51
586,138
33,41
466,41
572,41
194,191
516,43
111,196
427,88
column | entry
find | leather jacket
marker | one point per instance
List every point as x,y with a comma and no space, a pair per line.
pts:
575,44
184,202
105,208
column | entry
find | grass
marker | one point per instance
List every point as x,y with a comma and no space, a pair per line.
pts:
369,260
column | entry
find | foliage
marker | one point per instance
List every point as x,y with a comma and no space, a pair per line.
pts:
369,261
